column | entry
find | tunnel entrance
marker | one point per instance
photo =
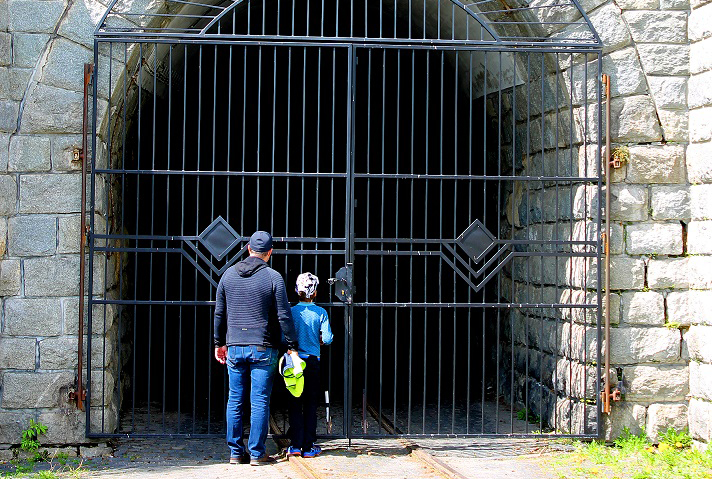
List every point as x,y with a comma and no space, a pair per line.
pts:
434,179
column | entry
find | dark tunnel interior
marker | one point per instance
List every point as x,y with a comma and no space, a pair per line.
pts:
280,115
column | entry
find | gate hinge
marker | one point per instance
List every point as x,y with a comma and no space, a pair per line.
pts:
77,155
81,396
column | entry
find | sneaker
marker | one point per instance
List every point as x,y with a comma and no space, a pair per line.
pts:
313,452
244,459
293,451
261,461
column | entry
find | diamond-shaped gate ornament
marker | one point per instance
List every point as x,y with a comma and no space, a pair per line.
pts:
219,238
476,240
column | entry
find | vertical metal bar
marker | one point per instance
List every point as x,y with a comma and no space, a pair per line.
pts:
383,202
150,267
182,230
454,226
368,222
484,220
397,221
91,243
499,224
350,112
511,316
598,236
440,230
107,188
119,364
136,244
527,173
168,210
88,70
412,207
197,226
425,219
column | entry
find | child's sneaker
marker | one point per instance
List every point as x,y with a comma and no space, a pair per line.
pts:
313,452
293,451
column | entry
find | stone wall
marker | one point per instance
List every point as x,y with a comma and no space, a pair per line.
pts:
43,46
693,307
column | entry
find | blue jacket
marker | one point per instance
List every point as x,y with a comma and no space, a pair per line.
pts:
251,307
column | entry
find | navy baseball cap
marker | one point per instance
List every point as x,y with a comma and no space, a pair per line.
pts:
261,241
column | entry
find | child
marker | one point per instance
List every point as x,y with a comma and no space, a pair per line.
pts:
311,323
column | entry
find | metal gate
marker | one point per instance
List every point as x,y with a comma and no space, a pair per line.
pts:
439,163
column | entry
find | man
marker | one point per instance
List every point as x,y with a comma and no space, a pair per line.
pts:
251,312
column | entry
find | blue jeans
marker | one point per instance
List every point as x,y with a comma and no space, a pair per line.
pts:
257,365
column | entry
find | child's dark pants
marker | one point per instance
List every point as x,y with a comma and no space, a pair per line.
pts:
302,410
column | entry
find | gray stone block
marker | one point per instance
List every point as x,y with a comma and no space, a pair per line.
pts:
12,423
654,238
52,110
673,273
699,237
71,317
17,353
629,202
101,450
674,124
55,276
36,390
8,195
8,115
34,16
643,307
700,23
69,234
29,153
643,345
627,272
701,380
14,82
700,93
10,278
63,152
638,4
3,236
698,340
61,353
670,202
664,59
700,267
50,193
65,65
699,413
701,125
28,48
669,91
623,415
32,235
4,151
5,49
3,15
699,168
668,382
612,30
675,4
656,164
689,307
700,59
33,317
652,27
65,425
633,119
701,202
663,416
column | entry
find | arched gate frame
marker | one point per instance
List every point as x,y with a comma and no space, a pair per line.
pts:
440,160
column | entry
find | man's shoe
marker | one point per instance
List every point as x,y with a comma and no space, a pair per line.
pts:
261,461
293,451
313,452
244,459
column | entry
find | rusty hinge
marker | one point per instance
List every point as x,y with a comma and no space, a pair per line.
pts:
74,395
77,155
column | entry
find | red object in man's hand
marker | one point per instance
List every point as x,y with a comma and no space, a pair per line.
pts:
221,354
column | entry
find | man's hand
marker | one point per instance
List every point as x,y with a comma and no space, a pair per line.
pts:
221,354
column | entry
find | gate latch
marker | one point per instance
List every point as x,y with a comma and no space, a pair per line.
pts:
343,282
